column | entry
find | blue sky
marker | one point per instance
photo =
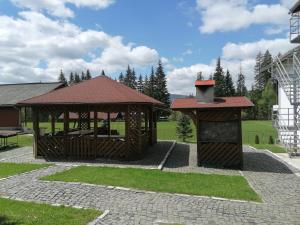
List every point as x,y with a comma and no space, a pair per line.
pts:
42,37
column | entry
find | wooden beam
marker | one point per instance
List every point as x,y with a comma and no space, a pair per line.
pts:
53,123
36,133
95,132
108,123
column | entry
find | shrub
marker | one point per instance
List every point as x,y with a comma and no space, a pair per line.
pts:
271,140
256,139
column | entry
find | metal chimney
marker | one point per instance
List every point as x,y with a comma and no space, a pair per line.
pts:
205,91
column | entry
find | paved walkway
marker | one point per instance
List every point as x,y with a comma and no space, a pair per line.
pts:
274,181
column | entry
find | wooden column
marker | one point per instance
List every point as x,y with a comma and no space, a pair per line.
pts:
66,130
108,123
53,123
240,139
95,132
36,133
151,141
197,123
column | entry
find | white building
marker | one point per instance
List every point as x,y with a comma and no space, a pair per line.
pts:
286,70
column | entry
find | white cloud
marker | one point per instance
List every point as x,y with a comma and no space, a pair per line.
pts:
249,50
187,52
231,15
32,38
59,8
181,80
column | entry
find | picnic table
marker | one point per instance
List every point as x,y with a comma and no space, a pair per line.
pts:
4,135
81,132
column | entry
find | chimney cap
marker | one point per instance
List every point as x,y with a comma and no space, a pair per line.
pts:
205,83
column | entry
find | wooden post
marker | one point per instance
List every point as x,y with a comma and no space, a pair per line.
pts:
25,116
240,139
151,141
66,130
146,123
95,132
36,132
197,121
53,123
108,123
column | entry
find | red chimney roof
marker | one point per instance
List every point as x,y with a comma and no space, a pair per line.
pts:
205,82
99,90
220,102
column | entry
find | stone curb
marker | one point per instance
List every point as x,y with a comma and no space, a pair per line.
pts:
161,165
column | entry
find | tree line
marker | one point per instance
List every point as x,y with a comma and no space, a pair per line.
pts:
224,86
74,77
263,92
153,85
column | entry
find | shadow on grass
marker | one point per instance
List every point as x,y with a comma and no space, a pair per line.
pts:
5,221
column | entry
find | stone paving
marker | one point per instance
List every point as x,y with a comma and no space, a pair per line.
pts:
273,180
152,160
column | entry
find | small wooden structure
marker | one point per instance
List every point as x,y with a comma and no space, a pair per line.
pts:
218,123
11,94
88,141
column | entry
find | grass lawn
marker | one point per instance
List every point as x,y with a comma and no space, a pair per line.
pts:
9,169
16,212
167,131
233,187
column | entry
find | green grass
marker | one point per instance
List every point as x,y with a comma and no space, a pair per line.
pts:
167,131
16,212
9,169
233,187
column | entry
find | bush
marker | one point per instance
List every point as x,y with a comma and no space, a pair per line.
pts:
256,139
271,140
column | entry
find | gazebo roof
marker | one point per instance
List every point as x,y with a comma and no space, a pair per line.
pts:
219,102
99,90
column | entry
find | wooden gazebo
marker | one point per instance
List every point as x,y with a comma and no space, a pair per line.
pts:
89,140
218,125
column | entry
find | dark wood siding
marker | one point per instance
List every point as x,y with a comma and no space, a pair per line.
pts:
219,141
9,117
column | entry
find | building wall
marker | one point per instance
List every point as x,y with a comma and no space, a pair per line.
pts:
219,138
9,117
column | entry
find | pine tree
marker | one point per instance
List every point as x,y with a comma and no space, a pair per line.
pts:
83,76
152,84
146,86
71,79
140,84
200,76
219,78
266,74
161,91
183,129
88,75
130,78
229,87
76,78
257,72
241,89
121,78
62,78
267,100
103,73
133,83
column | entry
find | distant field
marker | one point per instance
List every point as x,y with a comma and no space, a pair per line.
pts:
167,131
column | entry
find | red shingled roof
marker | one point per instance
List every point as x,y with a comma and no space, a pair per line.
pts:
205,82
99,90
220,102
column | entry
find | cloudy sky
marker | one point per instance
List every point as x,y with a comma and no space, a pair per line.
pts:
39,38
